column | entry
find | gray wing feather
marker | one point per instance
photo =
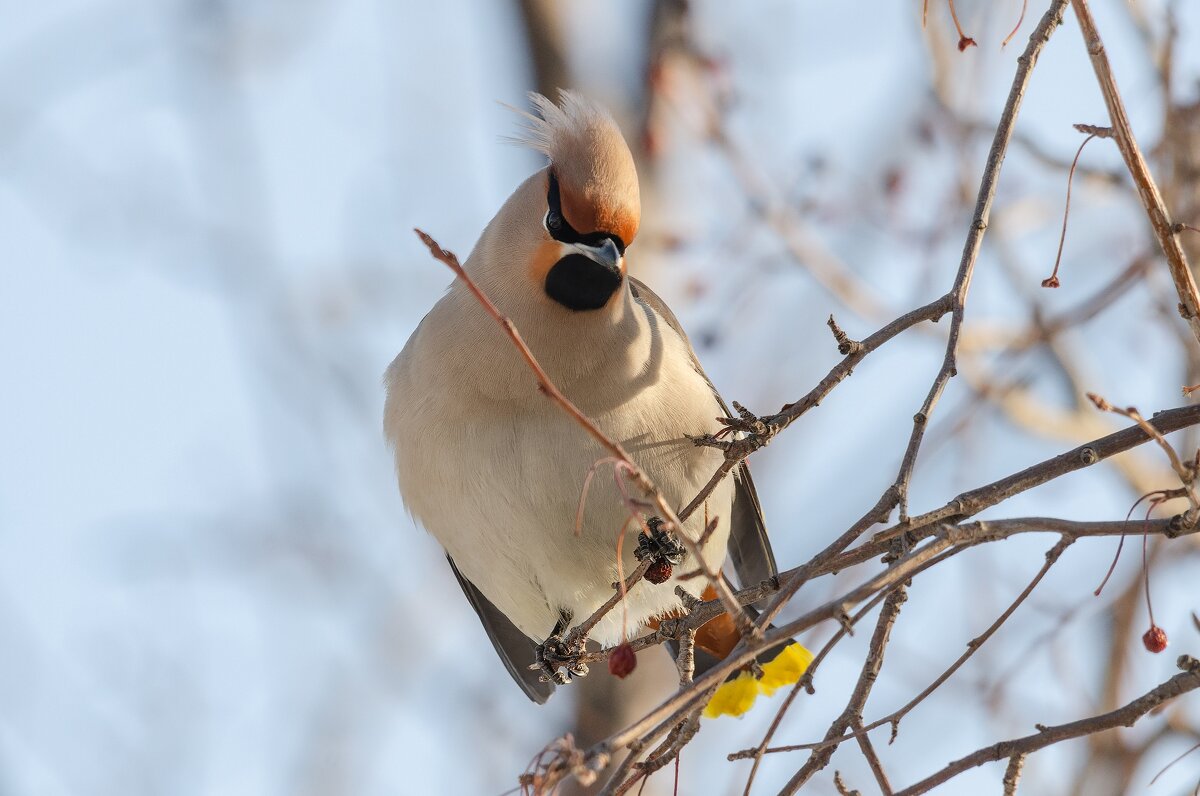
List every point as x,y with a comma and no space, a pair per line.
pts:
749,547
514,648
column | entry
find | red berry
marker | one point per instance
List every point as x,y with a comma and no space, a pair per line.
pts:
622,661
1155,639
659,572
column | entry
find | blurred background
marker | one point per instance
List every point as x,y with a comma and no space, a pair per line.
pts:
208,583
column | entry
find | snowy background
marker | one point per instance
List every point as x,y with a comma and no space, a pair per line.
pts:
208,583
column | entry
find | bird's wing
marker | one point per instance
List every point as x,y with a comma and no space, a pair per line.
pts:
514,648
749,547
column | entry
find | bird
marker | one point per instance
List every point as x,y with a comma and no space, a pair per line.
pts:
496,472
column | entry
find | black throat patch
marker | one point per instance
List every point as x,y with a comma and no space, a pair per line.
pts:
580,283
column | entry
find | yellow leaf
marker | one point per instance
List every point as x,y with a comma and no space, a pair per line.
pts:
787,667
733,698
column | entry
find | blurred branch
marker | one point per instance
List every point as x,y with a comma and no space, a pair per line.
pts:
542,20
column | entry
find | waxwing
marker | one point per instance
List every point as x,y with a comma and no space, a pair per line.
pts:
495,471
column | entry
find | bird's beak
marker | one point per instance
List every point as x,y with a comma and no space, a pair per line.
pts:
606,254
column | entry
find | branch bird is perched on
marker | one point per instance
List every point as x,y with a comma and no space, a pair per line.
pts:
494,470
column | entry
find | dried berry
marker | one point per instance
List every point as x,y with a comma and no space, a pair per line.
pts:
622,661
659,571
1155,639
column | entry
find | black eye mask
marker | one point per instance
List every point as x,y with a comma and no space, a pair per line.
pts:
560,230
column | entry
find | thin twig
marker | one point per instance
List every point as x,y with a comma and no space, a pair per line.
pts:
1187,475
1020,19
581,630
1173,762
964,41
1052,280
736,450
842,788
1121,544
979,223
545,386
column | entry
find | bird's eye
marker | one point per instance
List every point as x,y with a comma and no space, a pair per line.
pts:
554,221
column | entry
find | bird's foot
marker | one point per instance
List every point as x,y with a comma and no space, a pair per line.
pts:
659,545
557,658
661,550
741,435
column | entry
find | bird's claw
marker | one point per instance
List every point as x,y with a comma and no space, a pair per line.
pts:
558,660
753,430
747,422
659,545
709,441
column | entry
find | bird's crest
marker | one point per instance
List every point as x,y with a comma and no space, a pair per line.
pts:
589,157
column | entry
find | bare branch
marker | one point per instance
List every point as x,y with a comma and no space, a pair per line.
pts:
976,500
1160,218
1127,716
1187,475
973,646
804,683
983,209
872,757
852,714
1012,774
